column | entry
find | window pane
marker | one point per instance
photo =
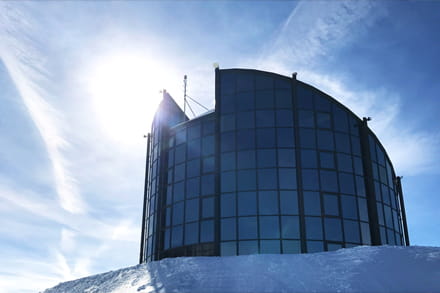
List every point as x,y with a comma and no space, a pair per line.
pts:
194,132
178,213
351,230
290,227
269,227
344,163
228,248
267,179
227,161
245,120
264,99
208,164
325,140
179,191
363,210
245,139
310,179
283,98
208,127
306,119
333,230
291,246
365,231
207,184
268,202
346,182
308,159
287,178
247,203
266,138
313,228
285,137
286,158
245,101
322,103
326,160
208,207
246,159
266,158
305,98
179,172
192,210
333,246
349,207
323,120
181,136
342,142
263,82
191,233
307,138
245,82
228,229
265,118
312,203
207,231
194,149
247,227
315,246
228,205
340,119
227,122
329,182
247,247
228,181
193,187
284,118
289,202
179,156
193,168
270,246
246,180
177,236
331,205
227,142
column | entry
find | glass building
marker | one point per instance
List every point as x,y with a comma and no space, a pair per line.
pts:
277,167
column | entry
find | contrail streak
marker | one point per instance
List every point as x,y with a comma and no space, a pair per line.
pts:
24,63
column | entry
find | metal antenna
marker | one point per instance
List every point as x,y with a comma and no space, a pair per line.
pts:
184,94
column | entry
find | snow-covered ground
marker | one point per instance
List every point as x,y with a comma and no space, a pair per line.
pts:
361,269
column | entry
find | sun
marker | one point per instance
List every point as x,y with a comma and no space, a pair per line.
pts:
125,91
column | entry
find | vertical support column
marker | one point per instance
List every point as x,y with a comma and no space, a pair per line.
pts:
302,222
402,209
369,183
217,163
144,210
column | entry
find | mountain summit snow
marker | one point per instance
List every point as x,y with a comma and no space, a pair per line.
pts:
360,269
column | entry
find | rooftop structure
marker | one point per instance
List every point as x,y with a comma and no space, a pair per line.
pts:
278,167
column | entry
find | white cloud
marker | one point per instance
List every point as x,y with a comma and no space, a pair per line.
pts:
25,65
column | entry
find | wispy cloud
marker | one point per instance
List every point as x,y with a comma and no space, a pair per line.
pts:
25,64
313,32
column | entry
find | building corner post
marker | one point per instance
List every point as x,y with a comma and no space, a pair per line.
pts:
369,183
144,209
402,209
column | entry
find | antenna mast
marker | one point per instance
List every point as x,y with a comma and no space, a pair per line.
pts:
184,94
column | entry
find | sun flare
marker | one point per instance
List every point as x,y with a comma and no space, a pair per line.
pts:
125,90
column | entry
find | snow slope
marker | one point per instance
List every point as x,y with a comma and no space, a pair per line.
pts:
360,269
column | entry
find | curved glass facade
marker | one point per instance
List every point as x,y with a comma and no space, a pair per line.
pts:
278,167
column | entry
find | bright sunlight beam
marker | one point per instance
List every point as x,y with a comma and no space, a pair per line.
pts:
125,89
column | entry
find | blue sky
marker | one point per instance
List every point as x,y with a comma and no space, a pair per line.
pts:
80,81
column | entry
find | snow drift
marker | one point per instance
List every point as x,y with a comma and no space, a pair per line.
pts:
360,269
